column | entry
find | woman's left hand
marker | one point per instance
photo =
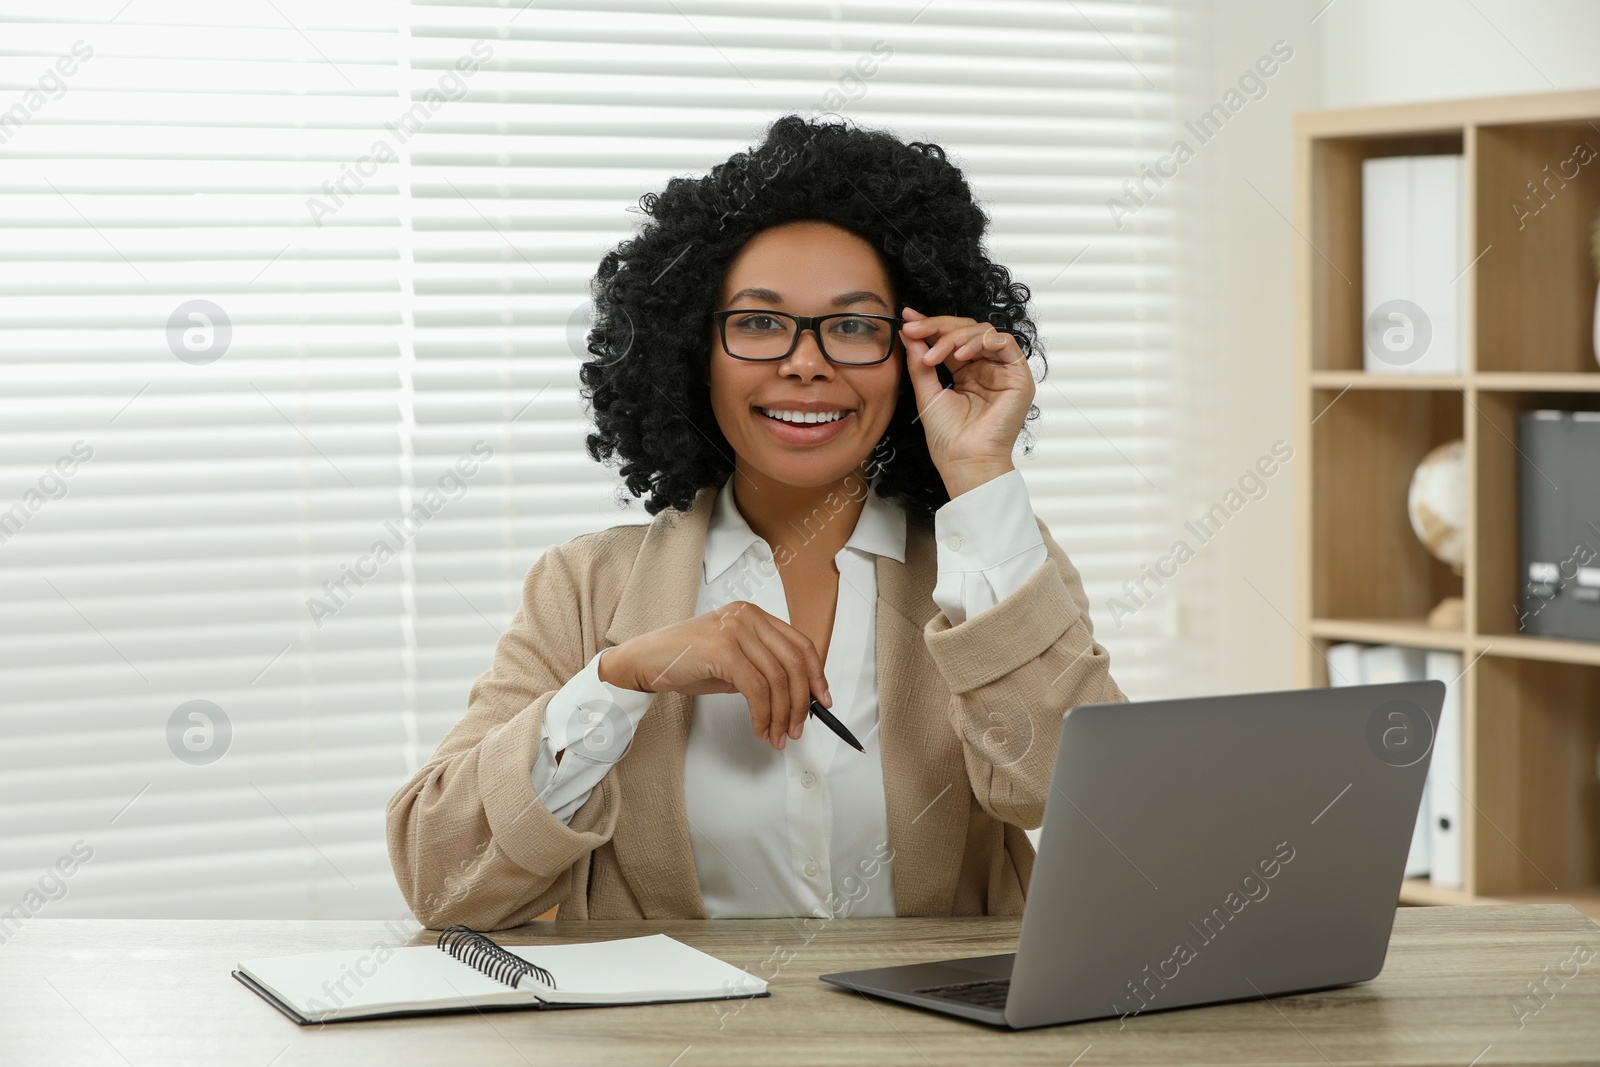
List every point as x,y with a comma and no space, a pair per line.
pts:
972,426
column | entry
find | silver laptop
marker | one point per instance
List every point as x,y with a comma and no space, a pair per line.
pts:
1203,850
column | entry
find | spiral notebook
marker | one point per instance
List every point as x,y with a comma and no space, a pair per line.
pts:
467,971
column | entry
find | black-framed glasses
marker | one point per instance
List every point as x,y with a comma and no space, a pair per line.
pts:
849,339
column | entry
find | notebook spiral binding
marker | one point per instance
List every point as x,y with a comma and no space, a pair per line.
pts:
481,953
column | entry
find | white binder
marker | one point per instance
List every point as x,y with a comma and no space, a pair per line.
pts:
1413,249
1391,663
1445,787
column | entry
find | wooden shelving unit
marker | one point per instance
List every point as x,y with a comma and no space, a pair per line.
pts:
1531,704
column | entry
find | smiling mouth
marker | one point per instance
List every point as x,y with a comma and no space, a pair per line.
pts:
802,418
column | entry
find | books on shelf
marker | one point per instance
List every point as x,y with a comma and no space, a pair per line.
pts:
1436,836
1413,251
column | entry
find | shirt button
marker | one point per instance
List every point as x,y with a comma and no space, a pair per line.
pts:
953,542
808,779
812,870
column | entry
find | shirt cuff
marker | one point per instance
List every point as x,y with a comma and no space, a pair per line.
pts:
591,723
988,545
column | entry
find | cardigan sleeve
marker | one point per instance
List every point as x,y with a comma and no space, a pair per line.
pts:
469,838
589,723
1013,671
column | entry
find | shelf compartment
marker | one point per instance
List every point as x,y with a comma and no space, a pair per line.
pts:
1537,721
1536,283
1335,226
1366,561
1493,439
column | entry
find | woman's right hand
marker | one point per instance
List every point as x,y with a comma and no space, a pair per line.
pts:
734,649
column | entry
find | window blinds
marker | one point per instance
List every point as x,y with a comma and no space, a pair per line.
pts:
292,299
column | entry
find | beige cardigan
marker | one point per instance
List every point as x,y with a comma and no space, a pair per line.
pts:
969,717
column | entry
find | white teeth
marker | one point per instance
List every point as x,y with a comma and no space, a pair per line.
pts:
803,416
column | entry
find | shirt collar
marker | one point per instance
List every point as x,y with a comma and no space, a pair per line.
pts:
880,531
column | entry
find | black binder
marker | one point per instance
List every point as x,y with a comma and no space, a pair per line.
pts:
1558,488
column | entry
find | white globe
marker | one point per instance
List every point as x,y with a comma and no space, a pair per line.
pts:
1437,503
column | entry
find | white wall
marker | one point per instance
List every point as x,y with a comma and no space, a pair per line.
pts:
1238,288
1238,273
1381,51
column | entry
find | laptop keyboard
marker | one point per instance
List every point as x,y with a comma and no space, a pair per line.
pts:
986,994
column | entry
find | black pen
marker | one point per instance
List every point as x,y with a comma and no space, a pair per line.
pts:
834,724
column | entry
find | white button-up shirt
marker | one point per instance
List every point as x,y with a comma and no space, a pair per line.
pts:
801,830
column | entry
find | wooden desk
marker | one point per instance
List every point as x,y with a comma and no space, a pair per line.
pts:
83,991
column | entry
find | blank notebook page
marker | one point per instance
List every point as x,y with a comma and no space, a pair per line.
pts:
642,968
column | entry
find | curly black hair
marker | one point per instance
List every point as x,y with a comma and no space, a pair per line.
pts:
654,293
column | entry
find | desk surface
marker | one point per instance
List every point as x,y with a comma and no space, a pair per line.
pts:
87,991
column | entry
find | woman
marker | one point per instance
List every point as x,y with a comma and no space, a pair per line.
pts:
808,364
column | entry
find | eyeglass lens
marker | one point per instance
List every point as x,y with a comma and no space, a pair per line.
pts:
844,338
